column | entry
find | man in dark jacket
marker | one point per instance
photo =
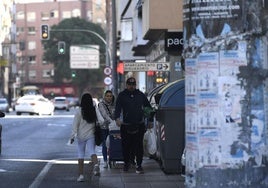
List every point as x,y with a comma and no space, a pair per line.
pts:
129,116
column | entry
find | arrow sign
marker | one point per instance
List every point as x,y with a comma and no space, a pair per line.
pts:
147,66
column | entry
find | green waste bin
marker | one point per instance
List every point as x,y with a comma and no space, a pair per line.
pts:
170,117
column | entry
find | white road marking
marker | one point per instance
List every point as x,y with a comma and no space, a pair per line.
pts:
37,181
56,124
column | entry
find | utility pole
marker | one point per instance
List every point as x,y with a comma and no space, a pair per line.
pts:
225,51
114,49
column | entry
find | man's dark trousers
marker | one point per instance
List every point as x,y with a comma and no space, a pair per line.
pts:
132,142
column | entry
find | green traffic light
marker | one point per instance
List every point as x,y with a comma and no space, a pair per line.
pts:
73,75
61,47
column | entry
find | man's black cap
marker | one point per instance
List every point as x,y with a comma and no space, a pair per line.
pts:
131,81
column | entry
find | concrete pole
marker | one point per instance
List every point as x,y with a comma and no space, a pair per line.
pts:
226,69
0,139
114,49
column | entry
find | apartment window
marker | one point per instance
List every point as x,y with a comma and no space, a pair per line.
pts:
76,13
45,15
46,73
99,20
98,4
20,29
31,45
31,30
31,16
54,14
32,59
66,14
20,59
89,15
126,30
21,73
20,15
32,74
44,61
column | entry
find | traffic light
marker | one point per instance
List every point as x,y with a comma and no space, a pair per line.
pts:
44,32
61,47
73,74
159,80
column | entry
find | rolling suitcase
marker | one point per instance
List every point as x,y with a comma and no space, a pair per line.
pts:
114,148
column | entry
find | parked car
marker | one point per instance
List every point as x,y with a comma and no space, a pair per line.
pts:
61,103
73,101
4,106
34,104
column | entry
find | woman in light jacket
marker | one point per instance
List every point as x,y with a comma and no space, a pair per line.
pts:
83,130
106,107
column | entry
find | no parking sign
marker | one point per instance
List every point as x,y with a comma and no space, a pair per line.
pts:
107,71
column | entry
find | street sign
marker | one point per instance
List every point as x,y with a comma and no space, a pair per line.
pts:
107,71
84,57
3,62
108,80
148,66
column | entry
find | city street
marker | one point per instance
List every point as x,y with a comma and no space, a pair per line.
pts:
29,143
35,153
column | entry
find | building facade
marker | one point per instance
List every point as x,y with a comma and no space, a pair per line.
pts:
7,45
146,27
31,67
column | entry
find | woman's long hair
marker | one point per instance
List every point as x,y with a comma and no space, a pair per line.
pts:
87,108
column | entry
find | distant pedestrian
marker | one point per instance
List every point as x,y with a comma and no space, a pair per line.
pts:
106,107
131,103
83,130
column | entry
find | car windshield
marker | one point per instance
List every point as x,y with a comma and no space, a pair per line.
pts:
60,100
3,101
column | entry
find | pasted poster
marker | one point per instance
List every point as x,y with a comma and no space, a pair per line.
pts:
209,148
211,18
230,60
190,93
191,118
230,96
207,73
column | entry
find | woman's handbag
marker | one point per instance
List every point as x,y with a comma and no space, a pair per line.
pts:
97,133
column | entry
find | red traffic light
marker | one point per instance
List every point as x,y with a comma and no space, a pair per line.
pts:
120,68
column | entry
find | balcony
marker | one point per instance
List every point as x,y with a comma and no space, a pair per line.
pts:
159,16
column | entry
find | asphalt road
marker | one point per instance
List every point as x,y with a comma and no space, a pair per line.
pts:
31,144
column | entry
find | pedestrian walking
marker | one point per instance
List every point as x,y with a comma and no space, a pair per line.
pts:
106,107
83,130
131,103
